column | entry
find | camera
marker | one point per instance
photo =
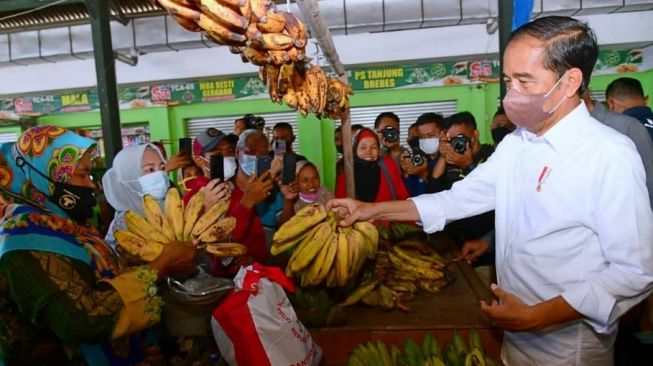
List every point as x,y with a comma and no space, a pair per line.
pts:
416,155
459,143
390,134
253,122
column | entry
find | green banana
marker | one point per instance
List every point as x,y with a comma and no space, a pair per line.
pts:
384,232
374,353
395,354
383,351
426,345
475,358
414,354
435,348
459,344
489,361
475,340
436,361
452,356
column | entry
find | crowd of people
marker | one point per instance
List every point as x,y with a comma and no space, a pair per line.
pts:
68,294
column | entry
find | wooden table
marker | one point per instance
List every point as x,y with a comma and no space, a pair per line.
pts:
455,308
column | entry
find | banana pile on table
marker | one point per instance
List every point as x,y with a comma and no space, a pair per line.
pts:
458,353
324,251
401,269
210,229
273,40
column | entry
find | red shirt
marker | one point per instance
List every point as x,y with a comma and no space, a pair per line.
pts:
384,193
248,231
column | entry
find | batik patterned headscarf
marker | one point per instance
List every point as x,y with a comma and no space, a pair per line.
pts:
29,220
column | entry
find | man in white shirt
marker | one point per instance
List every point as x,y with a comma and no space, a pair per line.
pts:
573,223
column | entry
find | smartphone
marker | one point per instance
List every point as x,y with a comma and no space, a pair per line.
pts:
289,167
263,164
186,144
216,165
279,147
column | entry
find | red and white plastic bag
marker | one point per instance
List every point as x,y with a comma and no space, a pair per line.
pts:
256,325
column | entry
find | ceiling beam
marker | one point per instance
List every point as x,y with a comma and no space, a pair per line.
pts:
18,5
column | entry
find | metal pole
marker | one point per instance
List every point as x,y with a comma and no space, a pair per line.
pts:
106,77
505,28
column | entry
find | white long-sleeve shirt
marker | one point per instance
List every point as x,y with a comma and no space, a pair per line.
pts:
587,234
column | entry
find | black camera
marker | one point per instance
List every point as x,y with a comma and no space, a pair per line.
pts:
253,122
459,143
416,154
390,134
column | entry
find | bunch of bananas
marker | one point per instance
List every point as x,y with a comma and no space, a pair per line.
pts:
275,41
429,354
306,88
147,235
322,249
400,270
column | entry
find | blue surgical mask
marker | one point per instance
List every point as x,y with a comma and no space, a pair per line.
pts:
155,184
247,164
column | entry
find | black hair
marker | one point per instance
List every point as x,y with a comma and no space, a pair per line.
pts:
285,125
430,117
377,121
462,118
625,87
414,125
569,43
500,111
353,128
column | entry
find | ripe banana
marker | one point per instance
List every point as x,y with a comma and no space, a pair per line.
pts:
246,9
256,57
325,262
304,220
236,50
175,212
424,272
342,260
279,57
156,218
139,226
224,15
275,23
260,9
179,10
263,74
276,41
137,246
291,100
308,249
219,231
416,259
192,213
358,293
295,29
253,35
218,32
371,235
316,88
280,247
226,249
273,83
285,78
214,214
231,3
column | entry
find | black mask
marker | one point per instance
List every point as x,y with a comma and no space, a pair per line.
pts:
499,133
76,201
339,148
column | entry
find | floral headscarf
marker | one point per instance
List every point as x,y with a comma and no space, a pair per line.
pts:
51,150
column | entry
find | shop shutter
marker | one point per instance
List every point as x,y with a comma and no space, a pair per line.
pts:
597,95
226,124
8,137
407,113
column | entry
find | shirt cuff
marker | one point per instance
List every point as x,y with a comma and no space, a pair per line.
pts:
594,302
430,212
142,306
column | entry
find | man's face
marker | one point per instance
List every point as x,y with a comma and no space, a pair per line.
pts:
256,146
468,131
523,69
501,120
428,130
387,122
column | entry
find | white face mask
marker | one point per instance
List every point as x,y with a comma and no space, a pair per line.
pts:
155,184
429,145
229,167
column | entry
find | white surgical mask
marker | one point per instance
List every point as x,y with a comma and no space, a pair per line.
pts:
247,164
229,167
429,145
155,184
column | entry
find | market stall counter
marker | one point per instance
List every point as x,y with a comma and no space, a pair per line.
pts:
456,308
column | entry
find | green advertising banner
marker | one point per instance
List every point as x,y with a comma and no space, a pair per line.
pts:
360,79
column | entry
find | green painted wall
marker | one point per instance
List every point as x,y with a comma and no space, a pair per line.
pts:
315,136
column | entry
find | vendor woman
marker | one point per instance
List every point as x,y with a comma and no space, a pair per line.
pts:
64,297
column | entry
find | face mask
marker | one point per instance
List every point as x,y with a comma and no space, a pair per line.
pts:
499,133
247,164
229,167
527,110
429,146
155,184
339,149
77,202
309,197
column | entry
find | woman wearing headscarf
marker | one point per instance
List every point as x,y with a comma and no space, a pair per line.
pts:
64,296
137,170
377,178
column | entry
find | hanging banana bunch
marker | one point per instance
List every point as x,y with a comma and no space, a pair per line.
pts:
273,40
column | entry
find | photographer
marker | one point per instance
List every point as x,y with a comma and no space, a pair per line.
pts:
418,160
386,126
248,122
